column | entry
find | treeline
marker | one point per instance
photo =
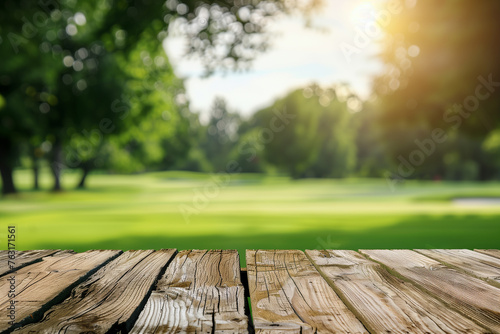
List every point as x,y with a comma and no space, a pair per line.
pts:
311,132
81,93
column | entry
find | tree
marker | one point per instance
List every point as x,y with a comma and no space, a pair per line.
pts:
336,131
151,130
220,135
19,117
249,151
310,132
66,66
371,156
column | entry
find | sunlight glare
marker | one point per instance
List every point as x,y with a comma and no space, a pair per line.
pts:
363,13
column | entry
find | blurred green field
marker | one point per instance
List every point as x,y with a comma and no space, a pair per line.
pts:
144,211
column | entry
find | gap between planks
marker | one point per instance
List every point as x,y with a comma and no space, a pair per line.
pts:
201,292
48,282
110,300
22,259
281,284
464,268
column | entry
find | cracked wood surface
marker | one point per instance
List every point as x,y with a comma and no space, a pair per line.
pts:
109,299
22,259
289,295
39,285
469,295
473,263
389,291
385,303
201,292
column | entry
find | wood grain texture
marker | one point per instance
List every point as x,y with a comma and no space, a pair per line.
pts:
385,303
22,259
201,292
473,263
288,295
490,252
109,299
44,283
471,296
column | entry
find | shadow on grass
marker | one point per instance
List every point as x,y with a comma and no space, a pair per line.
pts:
449,231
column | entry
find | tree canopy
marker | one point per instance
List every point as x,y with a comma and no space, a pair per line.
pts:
70,69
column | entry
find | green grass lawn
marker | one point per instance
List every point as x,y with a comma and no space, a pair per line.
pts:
145,212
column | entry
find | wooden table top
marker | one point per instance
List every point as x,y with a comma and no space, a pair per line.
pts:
280,291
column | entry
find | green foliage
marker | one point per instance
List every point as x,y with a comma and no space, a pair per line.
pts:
371,155
491,147
218,138
249,152
310,133
157,132
74,72
195,161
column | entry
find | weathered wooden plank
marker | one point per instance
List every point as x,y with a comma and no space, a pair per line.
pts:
22,259
471,296
473,263
490,252
44,283
385,303
201,292
107,300
288,295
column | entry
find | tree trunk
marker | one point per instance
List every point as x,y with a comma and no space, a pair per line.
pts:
85,169
6,169
7,180
57,165
36,185
36,173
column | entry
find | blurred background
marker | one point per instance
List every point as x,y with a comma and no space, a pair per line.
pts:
134,124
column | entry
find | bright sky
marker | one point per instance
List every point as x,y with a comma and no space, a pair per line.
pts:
298,56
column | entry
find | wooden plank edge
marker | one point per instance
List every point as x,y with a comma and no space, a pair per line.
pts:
340,294
424,290
463,271
485,252
129,324
38,314
54,251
